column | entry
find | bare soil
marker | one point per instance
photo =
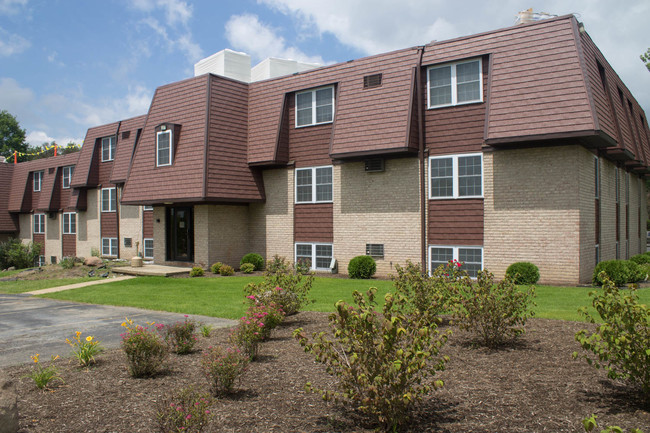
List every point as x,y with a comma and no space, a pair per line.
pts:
531,386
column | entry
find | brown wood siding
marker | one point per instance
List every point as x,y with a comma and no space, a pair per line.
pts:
108,224
455,222
147,224
308,145
313,222
69,245
39,239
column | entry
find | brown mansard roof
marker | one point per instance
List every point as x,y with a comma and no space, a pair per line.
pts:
128,133
84,175
8,223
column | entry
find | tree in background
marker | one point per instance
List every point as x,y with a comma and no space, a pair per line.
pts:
645,58
12,136
47,149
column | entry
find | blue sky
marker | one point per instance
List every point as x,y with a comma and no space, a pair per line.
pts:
67,65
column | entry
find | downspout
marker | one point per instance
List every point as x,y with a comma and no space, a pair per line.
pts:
423,196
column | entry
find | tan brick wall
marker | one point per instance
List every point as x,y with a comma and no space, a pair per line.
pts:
53,231
378,208
584,167
130,227
607,209
88,226
159,240
25,222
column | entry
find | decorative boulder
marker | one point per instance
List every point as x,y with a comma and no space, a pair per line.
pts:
8,406
93,261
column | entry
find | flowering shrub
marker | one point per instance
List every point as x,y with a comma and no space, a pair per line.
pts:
380,358
184,411
270,315
247,268
216,267
145,350
180,336
86,349
247,336
196,271
226,271
42,376
223,368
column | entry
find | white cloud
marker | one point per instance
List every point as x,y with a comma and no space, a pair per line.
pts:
11,43
15,99
10,7
175,11
37,138
245,32
134,103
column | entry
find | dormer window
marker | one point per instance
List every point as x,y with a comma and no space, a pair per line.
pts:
164,142
108,149
38,180
455,83
314,107
67,176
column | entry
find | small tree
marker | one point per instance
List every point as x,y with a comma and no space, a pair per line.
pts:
12,136
645,58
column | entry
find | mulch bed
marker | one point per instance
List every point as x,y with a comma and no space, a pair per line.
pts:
531,386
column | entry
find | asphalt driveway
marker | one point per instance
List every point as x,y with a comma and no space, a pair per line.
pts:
30,325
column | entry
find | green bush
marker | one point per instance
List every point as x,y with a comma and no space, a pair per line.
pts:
180,336
254,259
226,270
590,424
145,350
196,271
523,273
215,268
621,272
382,359
426,294
184,411
17,254
620,344
362,267
247,268
223,368
641,259
67,262
493,312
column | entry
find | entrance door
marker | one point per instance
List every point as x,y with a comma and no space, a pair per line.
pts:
180,234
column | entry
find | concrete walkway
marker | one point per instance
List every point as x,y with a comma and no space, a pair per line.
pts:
77,285
151,270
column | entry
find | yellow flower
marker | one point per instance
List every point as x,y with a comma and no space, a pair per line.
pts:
89,338
78,334
54,358
124,324
35,358
68,341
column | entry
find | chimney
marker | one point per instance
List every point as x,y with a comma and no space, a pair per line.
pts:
528,16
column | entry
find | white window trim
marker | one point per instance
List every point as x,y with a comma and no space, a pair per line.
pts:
171,147
313,185
40,260
112,199
313,107
70,171
40,174
313,254
455,195
41,224
112,244
147,208
454,87
68,215
144,248
112,148
455,253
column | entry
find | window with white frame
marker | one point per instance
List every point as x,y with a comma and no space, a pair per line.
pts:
316,256
314,107
164,148
147,208
470,257
67,176
109,200
455,83
69,223
314,185
39,223
456,176
38,180
148,248
109,247
108,149
40,261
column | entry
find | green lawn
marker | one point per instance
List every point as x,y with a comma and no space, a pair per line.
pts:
13,287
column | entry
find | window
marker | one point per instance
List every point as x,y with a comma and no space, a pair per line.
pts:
67,176
109,247
69,223
147,208
148,248
39,223
456,176
109,202
316,256
164,148
471,257
38,180
455,84
314,185
375,250
314,107
40,261
108,149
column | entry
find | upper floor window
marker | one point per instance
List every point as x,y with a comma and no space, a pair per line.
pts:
67,176
39,223
108,149
456,176
455,83
38,180
314,107
314,185
109,200
69,223
164,148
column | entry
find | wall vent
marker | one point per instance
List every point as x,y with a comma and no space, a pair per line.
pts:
374,165
371,81
128,242
126,135
375,250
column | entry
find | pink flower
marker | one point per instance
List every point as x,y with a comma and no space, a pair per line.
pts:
188,416
207,411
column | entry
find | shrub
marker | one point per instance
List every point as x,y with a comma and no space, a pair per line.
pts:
17,254
620,343
226,271
270,315
362,267
180,336
95,252
42,376
590,424
247,268
644,271
621,272
196,271
493,312
145,350
184,411
523,273
641,259
381,359
85,350
216,267
254,259
247,336
68,262
223,368
206,330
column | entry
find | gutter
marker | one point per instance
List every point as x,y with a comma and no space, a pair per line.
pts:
423,197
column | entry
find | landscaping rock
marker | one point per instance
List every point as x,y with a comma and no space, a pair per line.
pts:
93,261
8,406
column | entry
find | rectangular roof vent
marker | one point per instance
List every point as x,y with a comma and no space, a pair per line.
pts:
374,165
371,81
